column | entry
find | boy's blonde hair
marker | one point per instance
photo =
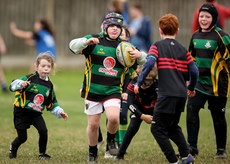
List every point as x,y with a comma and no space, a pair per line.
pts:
169,24
46,56
152,73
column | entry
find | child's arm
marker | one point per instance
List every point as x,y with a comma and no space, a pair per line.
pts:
77,45
59,113
134,109
139,55
18,85
2,46
20,33
194,73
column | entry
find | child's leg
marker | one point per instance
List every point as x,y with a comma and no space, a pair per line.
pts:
20,139
131,132
40,125
159,129
177,136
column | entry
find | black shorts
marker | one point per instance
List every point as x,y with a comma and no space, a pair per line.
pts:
214,103
171,105
23,118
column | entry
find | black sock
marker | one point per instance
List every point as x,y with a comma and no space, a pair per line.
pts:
93,150
110,136
100,138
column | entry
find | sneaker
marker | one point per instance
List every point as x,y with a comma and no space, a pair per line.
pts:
100,143
193,151
119,157
187,160
221,153
13,152
43,156
112,146
108,155
92,158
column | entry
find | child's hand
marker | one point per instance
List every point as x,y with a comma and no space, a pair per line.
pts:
13,26
191,93
136,89
92,41
64,115
134,53
25,83
147,118
124,96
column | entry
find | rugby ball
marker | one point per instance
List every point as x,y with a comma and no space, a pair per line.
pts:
123,54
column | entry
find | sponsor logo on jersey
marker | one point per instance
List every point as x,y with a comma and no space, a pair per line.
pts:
101,51
38,100
34,88
109,63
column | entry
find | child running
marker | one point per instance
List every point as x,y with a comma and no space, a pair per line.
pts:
103,80
34,92
175,67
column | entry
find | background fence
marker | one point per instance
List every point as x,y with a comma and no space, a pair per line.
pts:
76,18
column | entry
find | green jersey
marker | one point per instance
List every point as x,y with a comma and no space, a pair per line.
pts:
36,96
104,75
210,51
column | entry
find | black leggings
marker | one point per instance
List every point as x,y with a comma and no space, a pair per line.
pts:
39,124
133,128
217,107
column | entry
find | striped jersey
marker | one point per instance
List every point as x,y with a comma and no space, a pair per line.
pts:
36,96
104,75
210,50
172,64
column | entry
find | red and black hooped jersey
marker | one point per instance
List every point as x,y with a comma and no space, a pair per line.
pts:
172,63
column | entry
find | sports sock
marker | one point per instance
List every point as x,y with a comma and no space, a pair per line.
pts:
122,130
110,136
93,149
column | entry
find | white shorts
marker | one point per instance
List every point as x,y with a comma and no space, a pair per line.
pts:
94,107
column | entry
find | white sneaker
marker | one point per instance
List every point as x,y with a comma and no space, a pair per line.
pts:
108,155
99,144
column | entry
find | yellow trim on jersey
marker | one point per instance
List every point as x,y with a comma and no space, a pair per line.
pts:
226,54
122,78
87,75
22,98
222,64
215,77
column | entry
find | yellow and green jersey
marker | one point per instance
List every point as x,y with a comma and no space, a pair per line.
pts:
210,51
104,75
36,96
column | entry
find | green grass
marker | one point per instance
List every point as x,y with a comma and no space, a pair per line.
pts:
67,141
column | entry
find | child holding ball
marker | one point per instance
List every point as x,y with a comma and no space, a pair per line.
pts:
103,80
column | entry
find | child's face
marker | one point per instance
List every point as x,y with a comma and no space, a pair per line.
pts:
205,20
44,68
123,36
37,26
114,31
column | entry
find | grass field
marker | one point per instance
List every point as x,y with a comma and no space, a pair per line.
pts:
67,141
